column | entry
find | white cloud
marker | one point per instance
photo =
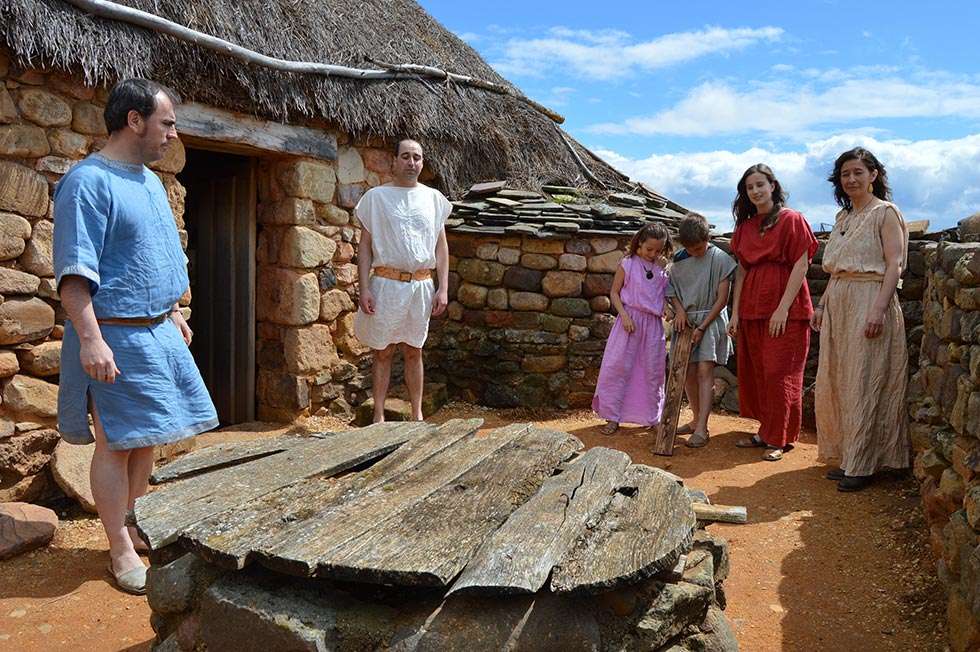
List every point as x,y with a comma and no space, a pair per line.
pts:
611,54
789,109
931,179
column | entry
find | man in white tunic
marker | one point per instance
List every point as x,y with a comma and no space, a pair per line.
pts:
402,239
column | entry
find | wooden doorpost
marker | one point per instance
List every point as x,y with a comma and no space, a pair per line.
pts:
676,376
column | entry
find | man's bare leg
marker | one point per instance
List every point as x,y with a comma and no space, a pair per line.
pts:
706,384
109,475
140,468
382,377
414,378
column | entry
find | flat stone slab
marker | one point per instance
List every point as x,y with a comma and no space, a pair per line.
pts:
70,465
25,527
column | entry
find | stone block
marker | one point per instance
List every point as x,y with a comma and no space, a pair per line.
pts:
377,160
487,251
286,297
23,141
309,350
31,396
964,626
174,158
291,210
964,450
674,608
553,324
55,165
332,215
41,360
508,256
929,463
523,279
22,190
951,490
9,365
175,587
578,333
543,363
572,262
578,247
281,390
481,272
25,320
472,296
14,231
605,263
539,261
308,179
44,108
497,299
604,245
569,307
967,299
530,301
602,325
350,166
24,527
70,466
334,302
87,119
538,246
8,112
600,304
346,274
67,143
348,194
305,248
38,256
346,339
597,285
562,284
14,282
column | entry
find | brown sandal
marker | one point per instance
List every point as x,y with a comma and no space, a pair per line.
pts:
750,442
610,428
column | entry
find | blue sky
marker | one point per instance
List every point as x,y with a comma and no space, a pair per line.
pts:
686,95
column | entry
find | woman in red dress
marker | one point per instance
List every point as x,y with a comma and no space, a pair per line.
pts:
772,308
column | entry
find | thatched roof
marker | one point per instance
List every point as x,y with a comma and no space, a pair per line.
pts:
470,134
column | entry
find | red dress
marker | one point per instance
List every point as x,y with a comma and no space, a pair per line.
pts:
770,369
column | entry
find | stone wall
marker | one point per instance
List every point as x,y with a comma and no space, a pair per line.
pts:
527,320
944,403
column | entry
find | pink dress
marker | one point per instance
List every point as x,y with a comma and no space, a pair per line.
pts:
631,379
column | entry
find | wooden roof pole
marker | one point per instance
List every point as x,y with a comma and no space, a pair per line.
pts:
117,12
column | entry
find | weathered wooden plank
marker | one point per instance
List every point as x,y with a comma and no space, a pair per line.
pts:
217,124
305,545
223,455
228,538
430,544
680,354
648,525
721,513
518,557
161,516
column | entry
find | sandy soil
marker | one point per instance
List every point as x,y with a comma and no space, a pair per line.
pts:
813,569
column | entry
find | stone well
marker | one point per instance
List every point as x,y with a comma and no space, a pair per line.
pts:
457,540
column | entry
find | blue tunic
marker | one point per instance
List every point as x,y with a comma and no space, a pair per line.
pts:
114,226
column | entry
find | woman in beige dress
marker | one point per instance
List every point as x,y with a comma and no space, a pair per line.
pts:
862,374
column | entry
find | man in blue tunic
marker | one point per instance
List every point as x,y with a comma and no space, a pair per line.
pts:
121,271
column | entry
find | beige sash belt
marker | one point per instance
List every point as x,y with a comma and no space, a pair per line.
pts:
400,275
866,277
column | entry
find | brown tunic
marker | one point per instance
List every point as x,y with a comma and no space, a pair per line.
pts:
861,382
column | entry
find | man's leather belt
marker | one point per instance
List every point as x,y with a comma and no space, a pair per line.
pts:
399,275
133,321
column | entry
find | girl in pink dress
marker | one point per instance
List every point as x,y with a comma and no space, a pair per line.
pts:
631,380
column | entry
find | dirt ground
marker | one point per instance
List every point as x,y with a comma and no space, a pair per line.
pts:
812,570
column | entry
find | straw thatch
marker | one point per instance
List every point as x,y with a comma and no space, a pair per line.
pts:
470,134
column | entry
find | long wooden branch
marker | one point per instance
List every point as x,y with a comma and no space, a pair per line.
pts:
117,12
578,159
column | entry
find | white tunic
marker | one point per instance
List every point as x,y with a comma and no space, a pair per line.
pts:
404,224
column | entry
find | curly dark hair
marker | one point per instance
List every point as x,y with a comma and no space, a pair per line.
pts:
743,208
879,186
653,230
693,230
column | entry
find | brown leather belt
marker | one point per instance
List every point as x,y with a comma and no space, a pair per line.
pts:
399,275
133,321
861,277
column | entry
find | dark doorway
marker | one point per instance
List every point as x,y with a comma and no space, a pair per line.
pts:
220,222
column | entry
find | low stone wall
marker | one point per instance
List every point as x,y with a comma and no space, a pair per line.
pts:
944,403
527,321
197,606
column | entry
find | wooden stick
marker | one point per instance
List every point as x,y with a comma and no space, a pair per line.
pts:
721,513
154,23
680,355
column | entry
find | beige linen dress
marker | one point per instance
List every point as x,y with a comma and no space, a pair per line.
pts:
860,395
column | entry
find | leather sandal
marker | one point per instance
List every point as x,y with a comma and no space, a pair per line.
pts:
772,454
686,429
697,440
854,483
750,442
609,428
132,581
835,474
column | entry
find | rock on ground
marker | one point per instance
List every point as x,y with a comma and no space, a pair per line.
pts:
24,527
70,467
